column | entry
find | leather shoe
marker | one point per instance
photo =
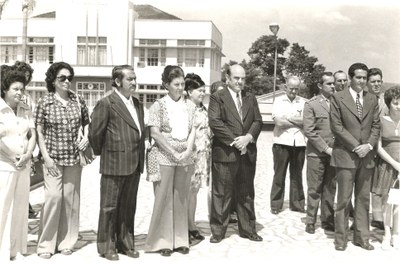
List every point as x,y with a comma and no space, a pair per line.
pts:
298,210
233,220
274,211
32,215
310,228
378,224
340,247
214,239
365,245
130,253
253,237
182,250
328,227
196,235
166,252
111,256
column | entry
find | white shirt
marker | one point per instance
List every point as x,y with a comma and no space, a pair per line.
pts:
353,94
178,117
131,108
283,107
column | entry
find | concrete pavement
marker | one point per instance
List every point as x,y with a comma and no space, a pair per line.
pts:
284,238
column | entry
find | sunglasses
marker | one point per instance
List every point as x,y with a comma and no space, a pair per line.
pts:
63,78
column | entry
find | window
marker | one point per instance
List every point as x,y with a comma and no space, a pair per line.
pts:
190,57
8,53
191,42
152,42
151,57
92,51
6,39
151,98
91,92
40,50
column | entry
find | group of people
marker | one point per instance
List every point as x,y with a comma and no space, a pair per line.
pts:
190,146
350,135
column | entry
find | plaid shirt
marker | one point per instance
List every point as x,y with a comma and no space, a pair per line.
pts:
61,126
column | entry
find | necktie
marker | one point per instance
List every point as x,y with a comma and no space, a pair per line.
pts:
359,106
328,104
239,104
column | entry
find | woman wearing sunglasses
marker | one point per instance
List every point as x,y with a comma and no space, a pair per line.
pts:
58,119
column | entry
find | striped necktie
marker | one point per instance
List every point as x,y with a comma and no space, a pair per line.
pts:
239,105
359,106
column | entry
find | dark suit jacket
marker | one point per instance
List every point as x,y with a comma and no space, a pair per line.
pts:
317,127
114,135
350,131
225,123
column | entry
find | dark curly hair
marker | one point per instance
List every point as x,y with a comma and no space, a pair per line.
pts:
8,77
170,73
215,85
390,94
24,68
51,74
193,82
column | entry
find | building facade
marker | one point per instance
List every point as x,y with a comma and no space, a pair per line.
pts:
95,35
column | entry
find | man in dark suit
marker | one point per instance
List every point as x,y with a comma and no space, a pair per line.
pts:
116,134
356,127
320,174
236,122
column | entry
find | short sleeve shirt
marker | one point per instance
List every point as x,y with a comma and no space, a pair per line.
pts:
292,136
61,125
16,126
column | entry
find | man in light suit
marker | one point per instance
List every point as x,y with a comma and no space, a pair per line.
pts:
236,122
116,133
320,174
356,127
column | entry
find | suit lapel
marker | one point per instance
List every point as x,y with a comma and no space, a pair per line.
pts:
230,104
367,104
119,106
245,104
347,99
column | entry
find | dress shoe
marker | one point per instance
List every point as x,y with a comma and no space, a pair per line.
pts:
328,227
365,245
340,247
253,237
378,224
130,253
214,239
353,226
310,228
66,252
110,256
182,250
166,252
232,220
45,255
196,235
298,210
274,211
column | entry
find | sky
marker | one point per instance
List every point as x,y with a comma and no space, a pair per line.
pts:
338,34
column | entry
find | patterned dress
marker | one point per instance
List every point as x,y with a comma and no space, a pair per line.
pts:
385,174
203,148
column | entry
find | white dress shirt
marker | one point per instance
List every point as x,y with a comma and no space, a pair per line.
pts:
131,108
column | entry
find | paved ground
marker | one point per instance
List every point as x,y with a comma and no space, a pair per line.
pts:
284,236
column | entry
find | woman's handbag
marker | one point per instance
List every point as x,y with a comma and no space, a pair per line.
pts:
394,194
152,164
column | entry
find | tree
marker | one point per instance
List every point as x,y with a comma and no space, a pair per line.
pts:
260,69
301,64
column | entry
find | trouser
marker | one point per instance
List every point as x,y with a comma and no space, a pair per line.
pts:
118,196
169,221
228,179
283,157
321,184
360,179
59,218
14,198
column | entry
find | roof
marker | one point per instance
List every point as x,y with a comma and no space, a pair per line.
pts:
142,11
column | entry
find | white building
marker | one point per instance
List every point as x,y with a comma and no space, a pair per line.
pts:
95,35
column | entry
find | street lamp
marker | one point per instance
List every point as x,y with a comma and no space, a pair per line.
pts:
274,28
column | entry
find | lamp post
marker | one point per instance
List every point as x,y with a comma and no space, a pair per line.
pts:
274,28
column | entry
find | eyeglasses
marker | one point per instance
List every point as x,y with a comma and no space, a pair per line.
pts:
63,78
